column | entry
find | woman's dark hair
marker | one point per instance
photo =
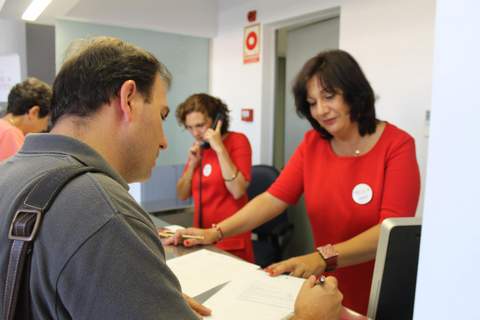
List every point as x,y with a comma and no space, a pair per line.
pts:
27,94
338,72
94,72
205,104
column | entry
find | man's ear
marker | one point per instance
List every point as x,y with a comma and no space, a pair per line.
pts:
127,94
33,112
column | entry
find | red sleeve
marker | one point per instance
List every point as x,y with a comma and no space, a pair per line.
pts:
241,155
10,142
402,182
289,185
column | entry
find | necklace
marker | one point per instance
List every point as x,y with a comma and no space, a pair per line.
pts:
356,152
12,122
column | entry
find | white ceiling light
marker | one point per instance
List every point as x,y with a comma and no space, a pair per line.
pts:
35,9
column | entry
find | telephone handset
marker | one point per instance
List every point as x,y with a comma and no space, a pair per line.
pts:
219,117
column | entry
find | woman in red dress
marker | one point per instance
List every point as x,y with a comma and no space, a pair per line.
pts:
218,168
353,169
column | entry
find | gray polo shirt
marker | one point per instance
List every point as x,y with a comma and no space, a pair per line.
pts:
97,255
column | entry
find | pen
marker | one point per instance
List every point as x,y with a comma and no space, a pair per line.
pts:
168,234
320,280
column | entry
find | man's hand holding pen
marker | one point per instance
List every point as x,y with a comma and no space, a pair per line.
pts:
319,298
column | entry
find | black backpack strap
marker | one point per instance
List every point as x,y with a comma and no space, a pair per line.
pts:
24,228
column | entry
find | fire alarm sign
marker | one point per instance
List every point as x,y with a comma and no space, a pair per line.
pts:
251,44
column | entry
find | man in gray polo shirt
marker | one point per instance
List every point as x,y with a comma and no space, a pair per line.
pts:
97,255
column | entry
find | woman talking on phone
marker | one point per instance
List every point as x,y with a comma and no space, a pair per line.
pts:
218,168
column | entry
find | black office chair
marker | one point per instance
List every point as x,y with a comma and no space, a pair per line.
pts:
271,238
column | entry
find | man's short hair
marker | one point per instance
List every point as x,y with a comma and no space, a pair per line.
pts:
94,71
27,94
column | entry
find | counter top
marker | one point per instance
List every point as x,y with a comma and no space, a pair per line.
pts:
172,252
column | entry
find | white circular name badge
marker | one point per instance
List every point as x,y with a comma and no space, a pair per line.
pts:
362,193
207,169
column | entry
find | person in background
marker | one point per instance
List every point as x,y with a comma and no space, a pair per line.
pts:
353,169
97,253
28,110
217,172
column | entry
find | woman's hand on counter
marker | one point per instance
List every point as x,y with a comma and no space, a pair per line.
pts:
301,266
191,237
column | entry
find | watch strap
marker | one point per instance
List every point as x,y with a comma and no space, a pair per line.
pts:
330,256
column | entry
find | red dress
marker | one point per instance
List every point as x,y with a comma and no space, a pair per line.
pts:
217,202
390,169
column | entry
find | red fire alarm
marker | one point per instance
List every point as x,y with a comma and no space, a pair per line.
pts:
247,115
252,16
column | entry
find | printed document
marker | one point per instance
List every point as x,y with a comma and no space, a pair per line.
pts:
253,294
203,270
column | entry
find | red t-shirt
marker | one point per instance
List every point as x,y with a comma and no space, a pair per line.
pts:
390,169
217,202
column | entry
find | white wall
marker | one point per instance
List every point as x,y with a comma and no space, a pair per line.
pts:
392,40
12,40
448,277
188,17
242,85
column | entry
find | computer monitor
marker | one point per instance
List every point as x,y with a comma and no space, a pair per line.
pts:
392,294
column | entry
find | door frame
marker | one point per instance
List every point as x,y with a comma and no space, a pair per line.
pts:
269,75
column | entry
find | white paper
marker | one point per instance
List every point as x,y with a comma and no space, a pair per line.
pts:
203,270
255,295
